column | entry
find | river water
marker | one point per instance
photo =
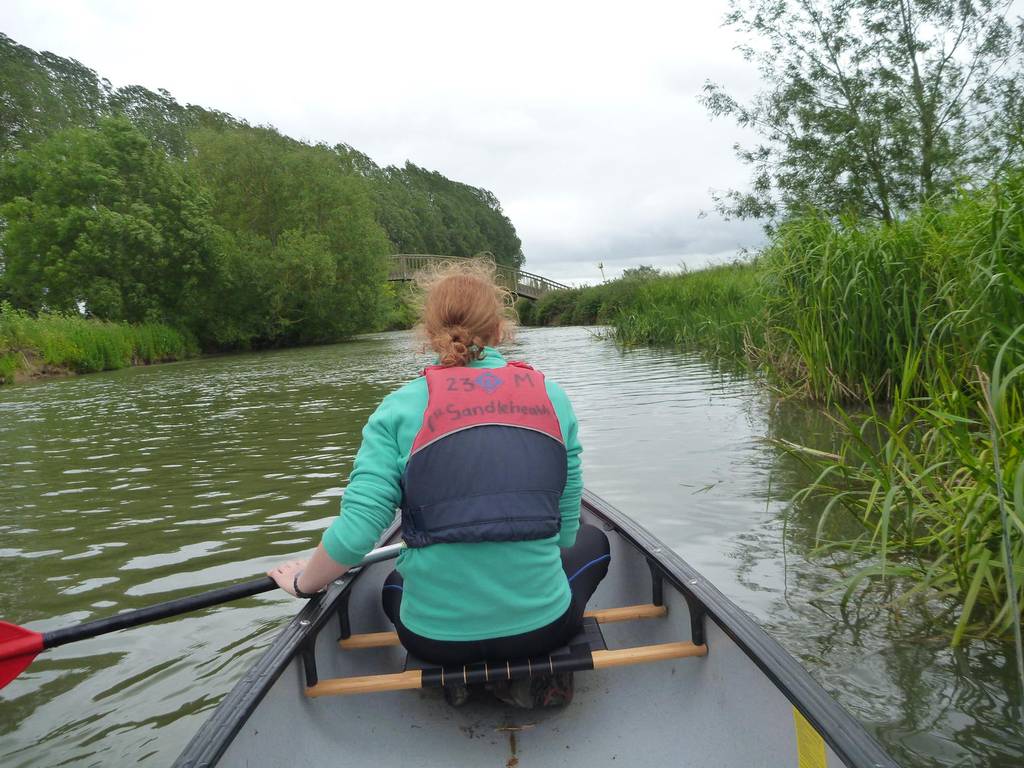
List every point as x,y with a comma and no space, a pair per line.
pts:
122,489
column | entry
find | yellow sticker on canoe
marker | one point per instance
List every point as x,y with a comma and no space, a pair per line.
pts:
810,747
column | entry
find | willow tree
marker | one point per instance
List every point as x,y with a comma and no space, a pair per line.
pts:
41,93
871,106
304,258
102,222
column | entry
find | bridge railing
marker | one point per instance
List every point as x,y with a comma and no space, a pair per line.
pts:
529,282
405,266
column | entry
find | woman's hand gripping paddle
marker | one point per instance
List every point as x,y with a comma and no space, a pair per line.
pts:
19,646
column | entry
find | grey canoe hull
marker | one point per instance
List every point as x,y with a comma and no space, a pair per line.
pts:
747,703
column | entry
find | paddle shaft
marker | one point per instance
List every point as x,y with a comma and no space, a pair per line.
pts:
184,605
156,612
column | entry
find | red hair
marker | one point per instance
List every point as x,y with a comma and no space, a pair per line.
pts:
464,310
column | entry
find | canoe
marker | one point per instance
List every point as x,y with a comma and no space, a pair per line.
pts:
670,673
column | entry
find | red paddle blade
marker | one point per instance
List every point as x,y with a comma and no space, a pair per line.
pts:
18,646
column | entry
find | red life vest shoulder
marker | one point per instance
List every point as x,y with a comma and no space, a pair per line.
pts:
463,397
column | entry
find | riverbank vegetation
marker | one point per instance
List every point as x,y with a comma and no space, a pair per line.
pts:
891,290
840,310
122,205
890,168
54,345
717,309
918,321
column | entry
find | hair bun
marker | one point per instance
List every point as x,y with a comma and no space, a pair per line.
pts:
452,347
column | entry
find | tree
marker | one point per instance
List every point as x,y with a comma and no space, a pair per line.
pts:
124,204
41,93
308,223
101,221
425,212
641,273
157,115
871,106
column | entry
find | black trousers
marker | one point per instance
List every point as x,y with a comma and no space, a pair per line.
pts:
585,564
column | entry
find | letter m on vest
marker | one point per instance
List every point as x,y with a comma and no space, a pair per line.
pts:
488,463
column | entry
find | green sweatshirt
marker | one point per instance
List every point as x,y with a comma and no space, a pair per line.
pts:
456,591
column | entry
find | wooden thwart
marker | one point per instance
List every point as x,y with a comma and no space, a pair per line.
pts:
643,654
628,613
412,679
342,686
370,640
603,616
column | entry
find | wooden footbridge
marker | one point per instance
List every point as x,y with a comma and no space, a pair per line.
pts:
526,285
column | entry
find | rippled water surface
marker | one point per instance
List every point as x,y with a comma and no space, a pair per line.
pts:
123,489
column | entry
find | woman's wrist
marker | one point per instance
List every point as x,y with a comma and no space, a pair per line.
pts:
299,592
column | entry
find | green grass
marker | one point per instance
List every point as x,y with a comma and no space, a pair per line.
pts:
715,309
75,344
840,310
920,479
580,306
848,305
922,321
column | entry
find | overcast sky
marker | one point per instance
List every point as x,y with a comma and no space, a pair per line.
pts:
581,117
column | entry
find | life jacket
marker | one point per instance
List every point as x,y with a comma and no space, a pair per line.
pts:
489,461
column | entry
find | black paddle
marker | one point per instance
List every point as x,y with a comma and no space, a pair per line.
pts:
19,646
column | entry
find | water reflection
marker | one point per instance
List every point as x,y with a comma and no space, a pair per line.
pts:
122,489
931,705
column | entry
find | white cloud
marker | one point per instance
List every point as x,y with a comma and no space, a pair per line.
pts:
581,117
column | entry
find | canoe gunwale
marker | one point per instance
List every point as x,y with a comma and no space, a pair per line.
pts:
212,740
840,730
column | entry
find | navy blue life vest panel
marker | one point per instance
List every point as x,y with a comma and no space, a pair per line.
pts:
484,481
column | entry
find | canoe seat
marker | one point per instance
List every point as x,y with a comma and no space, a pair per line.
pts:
587,650
588,639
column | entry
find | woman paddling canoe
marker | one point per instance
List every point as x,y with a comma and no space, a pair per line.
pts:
483,458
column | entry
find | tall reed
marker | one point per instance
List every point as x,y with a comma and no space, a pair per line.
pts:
923,320
847,303
921,480
916,319
717,309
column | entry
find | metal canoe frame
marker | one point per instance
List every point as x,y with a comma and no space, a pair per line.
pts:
840,730
217,733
